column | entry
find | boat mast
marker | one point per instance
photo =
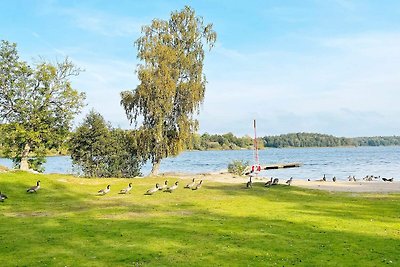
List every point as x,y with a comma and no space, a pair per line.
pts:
256,163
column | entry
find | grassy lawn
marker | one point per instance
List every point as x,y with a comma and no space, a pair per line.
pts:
66,224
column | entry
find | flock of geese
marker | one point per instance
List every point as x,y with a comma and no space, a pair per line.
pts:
195,186
32,189
353,178
273,181
165,188
192,185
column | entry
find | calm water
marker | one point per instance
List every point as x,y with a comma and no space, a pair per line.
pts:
339,162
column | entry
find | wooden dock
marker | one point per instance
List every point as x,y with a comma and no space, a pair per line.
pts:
281,166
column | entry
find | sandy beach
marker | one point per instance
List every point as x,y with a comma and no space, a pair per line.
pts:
338,186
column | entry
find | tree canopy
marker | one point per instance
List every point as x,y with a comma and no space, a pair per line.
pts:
37,105
98,150
172,83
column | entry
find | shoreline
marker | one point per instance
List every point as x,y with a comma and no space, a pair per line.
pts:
338,186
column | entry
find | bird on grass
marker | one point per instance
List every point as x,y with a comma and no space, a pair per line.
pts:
289,181
104,191
2,197
198,186
190,185
126,190
249,184
275,181
35,188
152,190
268,184
171,188
165,186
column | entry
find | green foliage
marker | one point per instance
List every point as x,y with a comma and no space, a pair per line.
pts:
223,142
101,151
323,140
172,83
37,105
237,166
377,141
65,224
306,140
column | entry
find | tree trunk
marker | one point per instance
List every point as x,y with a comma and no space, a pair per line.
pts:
24,166
155,168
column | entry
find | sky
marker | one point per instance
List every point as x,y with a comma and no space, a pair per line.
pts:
322,66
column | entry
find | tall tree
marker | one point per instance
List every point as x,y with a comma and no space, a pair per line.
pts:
37,105
172,83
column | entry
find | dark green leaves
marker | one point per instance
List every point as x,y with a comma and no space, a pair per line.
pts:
98,150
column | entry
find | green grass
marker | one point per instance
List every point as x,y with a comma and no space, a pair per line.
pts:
66,224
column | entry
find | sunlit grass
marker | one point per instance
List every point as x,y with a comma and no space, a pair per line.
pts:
67,224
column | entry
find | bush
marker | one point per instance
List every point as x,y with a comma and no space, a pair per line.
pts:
98,150
237,166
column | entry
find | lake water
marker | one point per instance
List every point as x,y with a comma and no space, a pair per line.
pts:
340,162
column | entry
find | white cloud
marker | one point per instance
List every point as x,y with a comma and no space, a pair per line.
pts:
95,21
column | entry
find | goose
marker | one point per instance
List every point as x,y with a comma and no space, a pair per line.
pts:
350,178
249,184
126,190
171,188
198,186
152,190
104,191
268,184
275,181
165,186
2,197
324,178
387,179
190,185
289,181
334,179
35,188
354,178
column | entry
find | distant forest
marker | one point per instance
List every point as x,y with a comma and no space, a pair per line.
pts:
229,141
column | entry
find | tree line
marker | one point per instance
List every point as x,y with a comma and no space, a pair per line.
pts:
324,140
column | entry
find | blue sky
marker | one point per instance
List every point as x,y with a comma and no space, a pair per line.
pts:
327,66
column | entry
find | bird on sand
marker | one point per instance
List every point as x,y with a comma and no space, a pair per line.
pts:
289,181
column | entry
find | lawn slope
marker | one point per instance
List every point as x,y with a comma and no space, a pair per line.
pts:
66,224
